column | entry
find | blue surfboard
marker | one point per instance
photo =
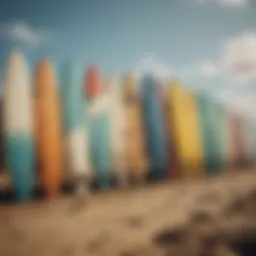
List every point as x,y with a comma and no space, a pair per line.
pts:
154,126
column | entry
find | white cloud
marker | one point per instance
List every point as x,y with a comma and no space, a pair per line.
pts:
22,32
208,68
237,60
226,3
149,63
241,103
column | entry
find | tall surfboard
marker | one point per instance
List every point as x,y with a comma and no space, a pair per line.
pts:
237,146
99,126
219,134
2,137
243,124
231,150
75,127
185,125
176,96
253,140
137,162
223,129
210,133
248,137
194,135
117,127
173,168
48,128
154,127
18,125
226,138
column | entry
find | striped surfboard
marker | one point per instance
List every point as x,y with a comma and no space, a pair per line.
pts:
99,127
75,126
18,125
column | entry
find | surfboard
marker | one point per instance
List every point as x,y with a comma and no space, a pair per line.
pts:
223,129
186,132
117,127
48,128
99,126
253,140
248,137
2,137
194,135
227,115
247,140
245,145
236,146
18,125
231,151
75,126
219,126
210,133
136,158
154,127
173,168
178,117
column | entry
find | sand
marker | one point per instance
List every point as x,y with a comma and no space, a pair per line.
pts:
175,218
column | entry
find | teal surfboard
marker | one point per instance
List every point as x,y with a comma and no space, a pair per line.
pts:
99,127
210,123
75,125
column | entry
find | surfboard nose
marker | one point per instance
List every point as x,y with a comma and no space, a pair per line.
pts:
16,56
15,64
130,87
93,84
45,78
45,65
148,82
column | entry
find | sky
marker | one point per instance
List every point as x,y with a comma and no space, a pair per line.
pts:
209,45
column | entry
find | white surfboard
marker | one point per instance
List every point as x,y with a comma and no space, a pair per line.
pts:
18,125
117,121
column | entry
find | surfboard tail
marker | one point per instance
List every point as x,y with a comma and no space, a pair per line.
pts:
20,159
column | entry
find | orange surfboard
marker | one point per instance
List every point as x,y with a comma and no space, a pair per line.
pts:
48,129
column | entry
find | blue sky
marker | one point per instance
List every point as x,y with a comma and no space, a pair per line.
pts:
200,41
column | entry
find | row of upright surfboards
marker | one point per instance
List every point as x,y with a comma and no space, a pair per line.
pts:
86,127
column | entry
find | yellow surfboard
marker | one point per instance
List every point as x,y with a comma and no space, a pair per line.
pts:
194,135
48,128
135,143
186,131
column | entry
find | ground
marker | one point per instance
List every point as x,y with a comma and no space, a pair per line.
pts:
175,218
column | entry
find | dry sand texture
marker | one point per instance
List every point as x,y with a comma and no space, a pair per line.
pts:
179,218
